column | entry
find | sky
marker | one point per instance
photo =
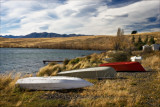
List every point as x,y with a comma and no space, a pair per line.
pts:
90,17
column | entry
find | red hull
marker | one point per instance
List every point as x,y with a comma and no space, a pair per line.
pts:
125,66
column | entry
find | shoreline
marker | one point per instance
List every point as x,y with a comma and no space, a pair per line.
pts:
132,89
24,59
53,48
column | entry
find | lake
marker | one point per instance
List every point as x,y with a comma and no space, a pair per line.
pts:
29,60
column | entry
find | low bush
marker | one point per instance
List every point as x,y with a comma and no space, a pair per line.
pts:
148,50
74,61
88,57
49,70
66,61
119,57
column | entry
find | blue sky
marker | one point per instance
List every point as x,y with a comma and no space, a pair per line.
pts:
97,17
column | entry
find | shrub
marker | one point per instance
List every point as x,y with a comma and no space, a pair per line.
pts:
146,40
138,46
147,50
49,70
134,32
151,41
88,57
66,61
74,61
133,39
119,57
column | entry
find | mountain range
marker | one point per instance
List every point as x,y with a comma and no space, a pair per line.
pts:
42,35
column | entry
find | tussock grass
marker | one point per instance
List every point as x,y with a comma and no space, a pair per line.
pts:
137,90
12,95
92,60
97,42
82,42
50,70
104,93
77,63
7,83
152,62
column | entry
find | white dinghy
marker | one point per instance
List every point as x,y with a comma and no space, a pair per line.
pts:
94,72
52,83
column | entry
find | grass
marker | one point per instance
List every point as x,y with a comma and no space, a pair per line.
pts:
77,63
49,70
83,42
152,62
135,90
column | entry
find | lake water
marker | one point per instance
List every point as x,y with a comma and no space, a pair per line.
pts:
27,60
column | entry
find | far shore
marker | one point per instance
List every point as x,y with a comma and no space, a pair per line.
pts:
79,42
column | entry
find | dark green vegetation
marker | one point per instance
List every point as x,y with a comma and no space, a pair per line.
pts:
134,32
138,45
119,57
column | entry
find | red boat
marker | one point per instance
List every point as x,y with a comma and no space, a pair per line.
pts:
125,66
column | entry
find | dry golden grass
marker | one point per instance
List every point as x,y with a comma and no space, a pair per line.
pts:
82,42
110,93
77,63
116,92
50,70
139,89
152,62
7,83
156,36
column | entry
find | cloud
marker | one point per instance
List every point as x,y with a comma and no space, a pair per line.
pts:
45,27
78,16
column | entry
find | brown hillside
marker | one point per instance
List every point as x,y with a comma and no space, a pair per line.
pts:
83,42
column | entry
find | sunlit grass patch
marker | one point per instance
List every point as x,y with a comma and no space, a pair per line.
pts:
7,82
152,62
50,70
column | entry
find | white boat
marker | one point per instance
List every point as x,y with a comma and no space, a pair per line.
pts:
136,58
52,83
94,72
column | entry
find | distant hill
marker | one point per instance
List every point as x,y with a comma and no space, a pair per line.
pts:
11,36
42,35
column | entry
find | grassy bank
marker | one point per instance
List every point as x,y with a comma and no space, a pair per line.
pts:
136,89
83,42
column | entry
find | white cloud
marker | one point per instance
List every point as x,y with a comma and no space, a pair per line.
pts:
75,16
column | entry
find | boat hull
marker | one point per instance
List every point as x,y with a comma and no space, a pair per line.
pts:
125,66
95,72
52,83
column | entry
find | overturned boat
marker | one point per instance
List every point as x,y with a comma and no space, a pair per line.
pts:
52,83
125,66
93,73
